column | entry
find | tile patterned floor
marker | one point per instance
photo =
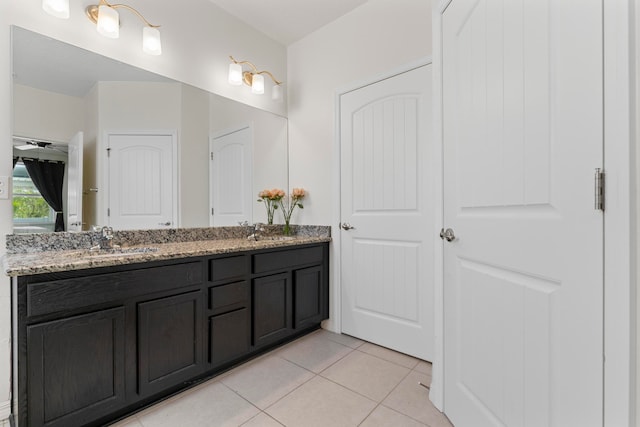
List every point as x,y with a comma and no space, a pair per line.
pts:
322,379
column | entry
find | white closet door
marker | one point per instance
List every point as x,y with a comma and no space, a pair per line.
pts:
230,177
387,197
523,291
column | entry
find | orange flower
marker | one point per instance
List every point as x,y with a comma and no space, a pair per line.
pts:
297,193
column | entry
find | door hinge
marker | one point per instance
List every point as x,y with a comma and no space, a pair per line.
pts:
211,211
599,189
108,211
108,152
211,155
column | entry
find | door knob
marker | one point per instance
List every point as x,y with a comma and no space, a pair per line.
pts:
346,226
447,235
166,224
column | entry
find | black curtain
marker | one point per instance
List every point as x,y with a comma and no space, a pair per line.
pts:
15,160
48,178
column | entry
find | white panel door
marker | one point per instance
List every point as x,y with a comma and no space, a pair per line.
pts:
230,178
523,291
387,197
142,181
74,183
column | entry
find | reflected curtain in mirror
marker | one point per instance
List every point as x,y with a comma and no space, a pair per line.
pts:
48,178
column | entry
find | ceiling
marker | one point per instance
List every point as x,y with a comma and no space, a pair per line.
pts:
287,21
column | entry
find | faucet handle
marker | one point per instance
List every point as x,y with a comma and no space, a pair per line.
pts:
243,223
107,232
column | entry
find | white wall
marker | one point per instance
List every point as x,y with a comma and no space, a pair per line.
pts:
194,160
47,115
373,39
197,38
636,105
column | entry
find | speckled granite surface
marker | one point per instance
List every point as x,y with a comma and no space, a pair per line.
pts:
30,254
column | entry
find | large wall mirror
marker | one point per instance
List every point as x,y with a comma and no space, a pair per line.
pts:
60,91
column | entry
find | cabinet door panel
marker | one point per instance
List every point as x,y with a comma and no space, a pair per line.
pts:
271,308
228,336
76,368
169,341
308,293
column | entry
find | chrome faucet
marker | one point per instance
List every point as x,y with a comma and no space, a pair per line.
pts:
256,230
106,239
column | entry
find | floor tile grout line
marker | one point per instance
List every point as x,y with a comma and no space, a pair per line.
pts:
387,360
406,415
397,352
351,350
282,397
265,414
321,339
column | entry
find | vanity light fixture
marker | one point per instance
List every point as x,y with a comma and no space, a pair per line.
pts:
57,8
107,21
253,78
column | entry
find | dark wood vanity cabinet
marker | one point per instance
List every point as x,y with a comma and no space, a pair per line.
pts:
291,291
272,308
169,341
76,368
94,345
229,309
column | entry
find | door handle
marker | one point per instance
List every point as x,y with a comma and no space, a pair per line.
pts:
447,235
166,224
346,226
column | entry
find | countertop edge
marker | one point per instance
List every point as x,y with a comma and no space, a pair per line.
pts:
29,264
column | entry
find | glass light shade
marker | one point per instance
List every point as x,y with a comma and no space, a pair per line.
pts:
57,8
257,85
235,74
276,93
108,22
151,43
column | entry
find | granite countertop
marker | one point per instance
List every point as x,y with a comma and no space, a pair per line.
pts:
24,259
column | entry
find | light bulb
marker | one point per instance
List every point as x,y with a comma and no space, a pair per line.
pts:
235,74
57,8
108,22
257,85
151,43
276,93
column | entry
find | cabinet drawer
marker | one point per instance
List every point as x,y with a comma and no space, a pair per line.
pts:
228,336
227,268
228,297
273,261
59,295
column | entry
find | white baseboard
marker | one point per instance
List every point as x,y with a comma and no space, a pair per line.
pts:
5,409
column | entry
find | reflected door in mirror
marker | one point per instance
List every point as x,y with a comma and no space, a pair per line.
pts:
142,182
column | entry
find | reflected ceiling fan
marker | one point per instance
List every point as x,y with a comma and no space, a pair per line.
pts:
32,144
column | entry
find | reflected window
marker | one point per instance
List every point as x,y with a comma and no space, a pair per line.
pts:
31,213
